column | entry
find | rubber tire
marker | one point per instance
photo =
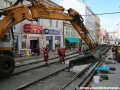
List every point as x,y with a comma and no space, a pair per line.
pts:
3,60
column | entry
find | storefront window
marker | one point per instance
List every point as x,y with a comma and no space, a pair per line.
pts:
16,42
71,31
23,44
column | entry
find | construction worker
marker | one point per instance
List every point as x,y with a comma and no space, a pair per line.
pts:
61,54
113,52
79,50
45,54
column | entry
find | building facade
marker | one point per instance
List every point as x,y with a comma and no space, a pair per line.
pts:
85,11
49,32
97,29
118,30
30,35
103,37
113,36
90,21
70,36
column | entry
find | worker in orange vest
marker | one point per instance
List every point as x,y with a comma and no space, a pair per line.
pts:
45,54
61,54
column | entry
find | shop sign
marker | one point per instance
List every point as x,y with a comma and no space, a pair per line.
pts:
33,36
48,31
48,37
34,29
54,32
57,37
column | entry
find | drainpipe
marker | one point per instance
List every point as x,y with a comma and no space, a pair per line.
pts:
63,36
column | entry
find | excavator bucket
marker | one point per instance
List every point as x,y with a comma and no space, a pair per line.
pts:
86,59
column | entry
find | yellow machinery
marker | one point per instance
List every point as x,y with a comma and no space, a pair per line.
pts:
19,12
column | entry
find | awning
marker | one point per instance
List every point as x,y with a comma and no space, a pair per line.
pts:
72,40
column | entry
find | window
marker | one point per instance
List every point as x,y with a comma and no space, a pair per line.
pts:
71,31
57,23
74,32
66,31
50,23
6,38
7,3
23,44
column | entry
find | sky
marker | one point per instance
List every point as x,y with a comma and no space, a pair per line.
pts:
107,21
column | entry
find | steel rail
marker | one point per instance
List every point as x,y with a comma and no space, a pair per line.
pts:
39,60
74,77
43,65
87,80
35,81
48,59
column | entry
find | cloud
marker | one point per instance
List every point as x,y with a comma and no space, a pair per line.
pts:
110,24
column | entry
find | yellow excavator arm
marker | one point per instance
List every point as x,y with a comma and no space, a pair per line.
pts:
20,12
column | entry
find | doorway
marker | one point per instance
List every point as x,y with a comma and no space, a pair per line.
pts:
34,45
50,45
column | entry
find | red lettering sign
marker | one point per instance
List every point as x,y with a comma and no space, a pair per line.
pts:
34,29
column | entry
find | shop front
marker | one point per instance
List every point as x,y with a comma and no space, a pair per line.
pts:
71,42
53,38
57,39
49,40
32,38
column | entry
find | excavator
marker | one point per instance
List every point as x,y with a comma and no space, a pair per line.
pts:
19,12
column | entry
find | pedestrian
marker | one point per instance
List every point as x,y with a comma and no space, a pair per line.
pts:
45,54
61,54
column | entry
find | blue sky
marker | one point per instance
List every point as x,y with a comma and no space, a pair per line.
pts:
108,21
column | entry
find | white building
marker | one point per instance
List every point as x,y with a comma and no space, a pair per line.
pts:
85,11
113,36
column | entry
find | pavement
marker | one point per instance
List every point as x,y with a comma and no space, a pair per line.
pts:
52,54
113,82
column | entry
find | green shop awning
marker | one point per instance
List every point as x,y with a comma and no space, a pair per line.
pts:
72,40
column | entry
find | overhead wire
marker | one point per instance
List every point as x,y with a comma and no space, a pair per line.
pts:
102,14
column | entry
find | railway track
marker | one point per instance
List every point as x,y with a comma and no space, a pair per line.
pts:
28,67
57,76
36,60
58,79
85,79
30,78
